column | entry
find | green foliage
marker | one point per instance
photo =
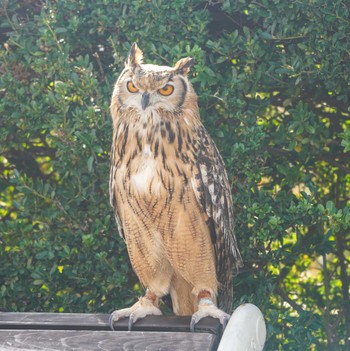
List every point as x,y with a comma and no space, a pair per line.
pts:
272,79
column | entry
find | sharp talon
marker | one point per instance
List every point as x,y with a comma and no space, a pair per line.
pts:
192,325
131,322
225,321
111,322
143,307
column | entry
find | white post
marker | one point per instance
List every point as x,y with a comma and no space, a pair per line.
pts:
245,331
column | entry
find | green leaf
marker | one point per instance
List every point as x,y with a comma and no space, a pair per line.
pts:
60,30
90,163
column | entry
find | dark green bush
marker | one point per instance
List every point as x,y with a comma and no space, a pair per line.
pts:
273,85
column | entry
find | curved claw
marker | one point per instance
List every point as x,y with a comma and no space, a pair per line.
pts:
131,322
193,323
209,311
225,321
142,308
111,322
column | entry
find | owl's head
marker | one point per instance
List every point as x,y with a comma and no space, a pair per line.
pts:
146,87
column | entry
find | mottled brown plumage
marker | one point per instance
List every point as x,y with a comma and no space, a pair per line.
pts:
170,191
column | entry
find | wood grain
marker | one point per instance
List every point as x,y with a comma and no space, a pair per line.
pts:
52,340
86,321
78,331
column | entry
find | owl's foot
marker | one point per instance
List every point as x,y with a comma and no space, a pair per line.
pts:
147,305
207,308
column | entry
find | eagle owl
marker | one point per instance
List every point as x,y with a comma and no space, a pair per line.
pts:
170,194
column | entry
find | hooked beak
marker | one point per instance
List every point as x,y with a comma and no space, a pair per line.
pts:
144,100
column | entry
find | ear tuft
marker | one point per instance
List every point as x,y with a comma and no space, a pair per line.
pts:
184,65
135,56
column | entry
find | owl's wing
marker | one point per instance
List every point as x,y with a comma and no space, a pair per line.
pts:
112,189
212,189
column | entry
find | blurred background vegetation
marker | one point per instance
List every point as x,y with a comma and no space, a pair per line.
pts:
273,83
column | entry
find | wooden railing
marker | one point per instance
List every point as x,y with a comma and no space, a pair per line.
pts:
74,331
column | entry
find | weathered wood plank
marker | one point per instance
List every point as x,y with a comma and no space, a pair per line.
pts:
85,321
15,340
63,321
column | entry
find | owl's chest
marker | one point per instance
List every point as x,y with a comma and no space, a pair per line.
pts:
144,172
153,161
140,170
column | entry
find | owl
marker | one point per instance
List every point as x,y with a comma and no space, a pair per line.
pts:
170,194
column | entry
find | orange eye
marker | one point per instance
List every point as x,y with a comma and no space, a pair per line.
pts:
131,87
166,90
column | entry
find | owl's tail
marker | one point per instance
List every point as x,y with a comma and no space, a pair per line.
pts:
184,301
